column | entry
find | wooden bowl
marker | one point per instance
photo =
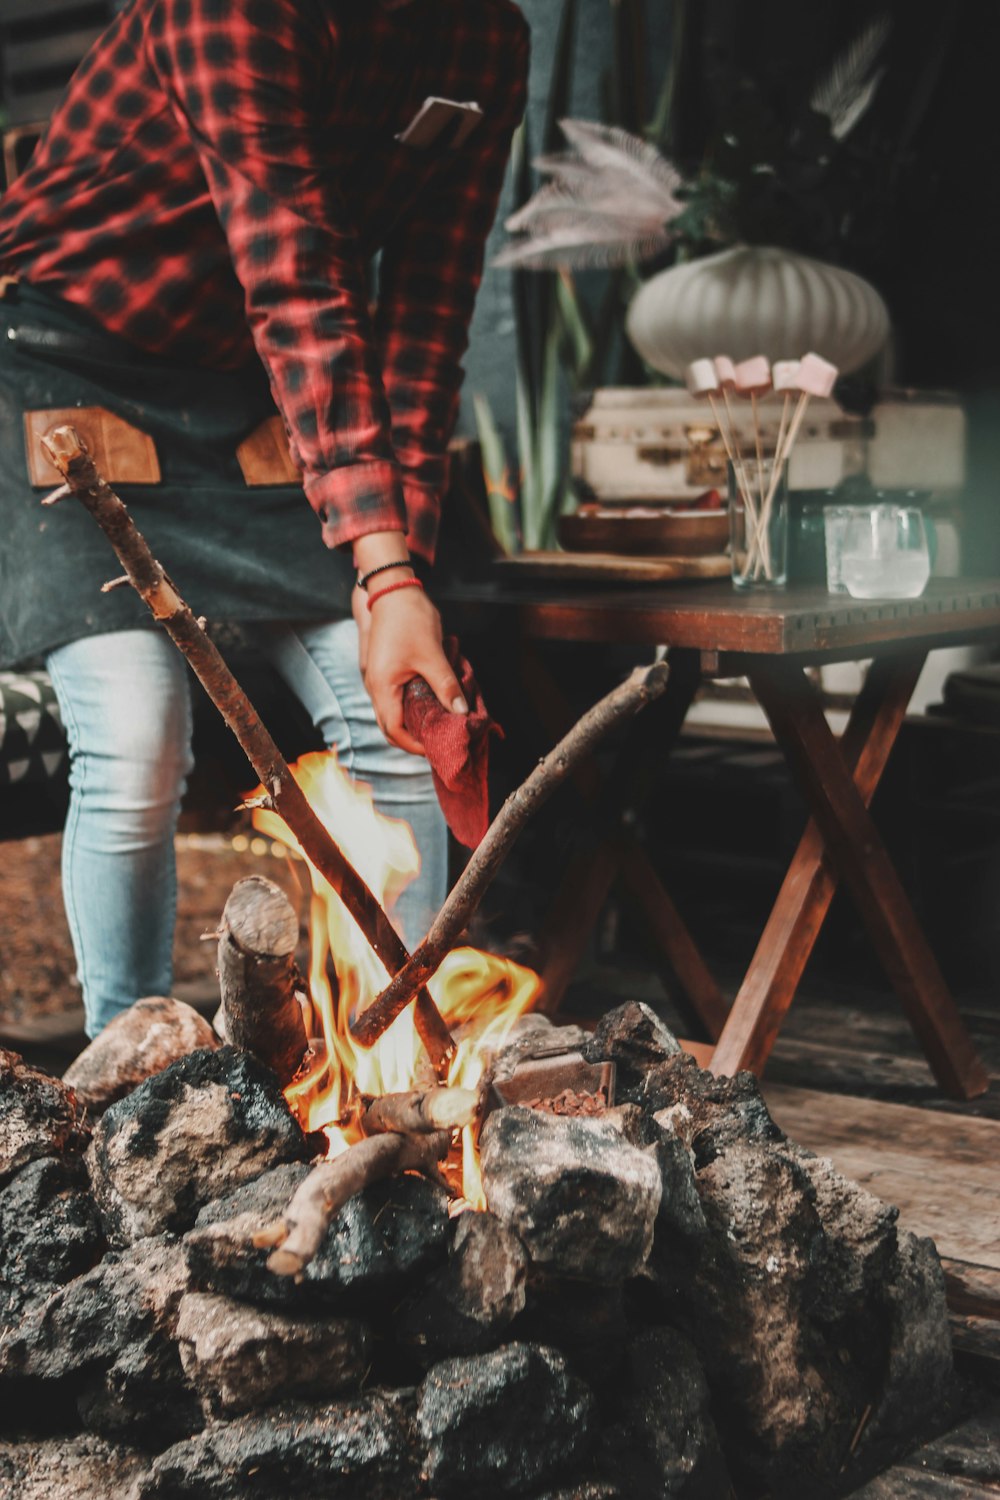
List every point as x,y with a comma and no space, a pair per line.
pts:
644,532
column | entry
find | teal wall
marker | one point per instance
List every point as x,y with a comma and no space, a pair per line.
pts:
490,361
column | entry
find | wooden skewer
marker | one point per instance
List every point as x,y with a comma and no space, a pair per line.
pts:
69,453
644,684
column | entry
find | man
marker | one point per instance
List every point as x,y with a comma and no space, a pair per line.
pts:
189,250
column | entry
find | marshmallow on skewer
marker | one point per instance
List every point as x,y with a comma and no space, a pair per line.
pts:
753,376
817,376
785,375
701,378
726,372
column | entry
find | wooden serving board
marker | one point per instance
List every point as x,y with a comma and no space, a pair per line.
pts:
607,567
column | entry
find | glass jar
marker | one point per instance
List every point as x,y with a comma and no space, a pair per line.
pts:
758,524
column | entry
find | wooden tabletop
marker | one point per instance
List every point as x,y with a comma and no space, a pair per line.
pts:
801,620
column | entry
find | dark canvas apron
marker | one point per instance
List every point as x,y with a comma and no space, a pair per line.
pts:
236,553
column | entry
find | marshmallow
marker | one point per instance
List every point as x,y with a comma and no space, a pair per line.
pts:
753,376
785,374
701,378
816,375
726,371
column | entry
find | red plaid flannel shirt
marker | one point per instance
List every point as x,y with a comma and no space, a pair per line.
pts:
220,175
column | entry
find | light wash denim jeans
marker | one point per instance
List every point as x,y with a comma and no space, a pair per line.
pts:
126,709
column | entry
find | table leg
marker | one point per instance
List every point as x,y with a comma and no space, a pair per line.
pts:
793,707
585,887
787,941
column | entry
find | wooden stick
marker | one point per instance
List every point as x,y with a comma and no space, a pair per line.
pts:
421,1113
301,1230
258,976
67,451
644,684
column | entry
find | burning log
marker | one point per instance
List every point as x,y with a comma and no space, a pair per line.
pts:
299,1233
68,452
421,1113
258,976
644,684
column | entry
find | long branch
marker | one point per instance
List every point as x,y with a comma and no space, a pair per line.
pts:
644,684
69,454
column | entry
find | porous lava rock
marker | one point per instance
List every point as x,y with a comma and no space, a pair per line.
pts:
39,1116
633,1037
581,1197
161,1152
341,1450
77,1468
242,1358
136,1044
466,1306
664,1442
585,1489
49,1233
381,1242
109,1337
499,1423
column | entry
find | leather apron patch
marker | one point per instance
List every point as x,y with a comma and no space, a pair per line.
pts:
264,458
122,453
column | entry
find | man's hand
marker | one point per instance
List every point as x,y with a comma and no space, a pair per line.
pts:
400,638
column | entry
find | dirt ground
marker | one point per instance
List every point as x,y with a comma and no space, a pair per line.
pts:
37,968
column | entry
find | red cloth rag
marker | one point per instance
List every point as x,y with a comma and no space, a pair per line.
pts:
457,747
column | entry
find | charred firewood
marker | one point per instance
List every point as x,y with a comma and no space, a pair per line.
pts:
299,1233
258,976
421,1113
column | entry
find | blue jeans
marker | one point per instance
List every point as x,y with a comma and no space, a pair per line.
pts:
126,708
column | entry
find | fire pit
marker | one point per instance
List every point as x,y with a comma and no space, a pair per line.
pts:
580,1267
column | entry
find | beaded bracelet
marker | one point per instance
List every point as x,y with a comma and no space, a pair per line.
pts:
390,588
401,562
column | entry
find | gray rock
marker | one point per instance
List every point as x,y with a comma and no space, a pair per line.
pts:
49,1233
109,1336
582,1199
39,1116
634,1038
664,1443
136,1044
242,1358
796,1303
161,1152
76,1468
343,1450
709,1113
380,1243
497,1424
467,1305
919,1385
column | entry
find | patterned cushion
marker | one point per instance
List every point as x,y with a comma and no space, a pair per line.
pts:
32,742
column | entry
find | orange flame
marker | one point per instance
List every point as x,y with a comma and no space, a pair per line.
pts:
479,995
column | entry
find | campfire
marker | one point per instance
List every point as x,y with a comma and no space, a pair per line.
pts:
480,996
385,1233
577,1266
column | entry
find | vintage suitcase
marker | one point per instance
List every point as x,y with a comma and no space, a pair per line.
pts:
648,444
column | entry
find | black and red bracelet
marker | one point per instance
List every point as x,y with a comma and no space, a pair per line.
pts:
401,562
390,588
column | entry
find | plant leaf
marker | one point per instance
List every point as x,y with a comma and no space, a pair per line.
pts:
846,91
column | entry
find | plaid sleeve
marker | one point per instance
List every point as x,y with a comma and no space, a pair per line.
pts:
245,80
430,272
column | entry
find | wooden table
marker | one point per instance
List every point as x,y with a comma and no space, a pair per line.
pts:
771,638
